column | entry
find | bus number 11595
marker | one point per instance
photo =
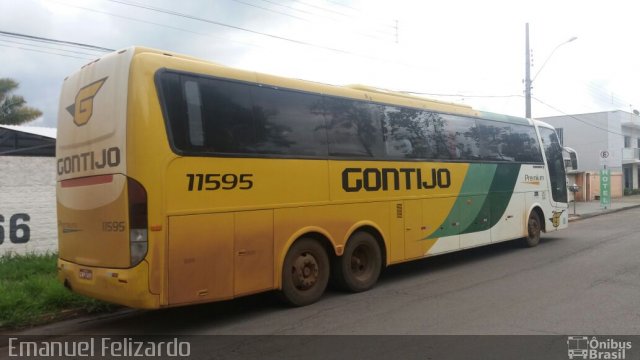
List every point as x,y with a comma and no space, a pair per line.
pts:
211,182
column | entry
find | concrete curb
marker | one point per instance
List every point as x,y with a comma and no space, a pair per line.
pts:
598,213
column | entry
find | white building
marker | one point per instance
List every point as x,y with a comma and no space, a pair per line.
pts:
616,132
27,190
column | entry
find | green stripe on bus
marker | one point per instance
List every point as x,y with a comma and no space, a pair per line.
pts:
483,199
502,189
496,203
472,196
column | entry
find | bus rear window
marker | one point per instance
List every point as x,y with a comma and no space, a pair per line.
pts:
216,116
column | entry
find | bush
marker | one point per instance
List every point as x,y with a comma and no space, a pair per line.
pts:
30,293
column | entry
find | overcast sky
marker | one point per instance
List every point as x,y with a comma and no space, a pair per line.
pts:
471,51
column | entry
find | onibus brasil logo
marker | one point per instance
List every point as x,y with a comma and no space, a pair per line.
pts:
583,347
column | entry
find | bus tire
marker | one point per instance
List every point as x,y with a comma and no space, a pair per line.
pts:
534,226
359,266
305,272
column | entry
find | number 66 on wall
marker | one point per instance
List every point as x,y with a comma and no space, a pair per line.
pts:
19,231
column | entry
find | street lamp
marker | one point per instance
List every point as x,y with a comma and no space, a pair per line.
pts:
528,80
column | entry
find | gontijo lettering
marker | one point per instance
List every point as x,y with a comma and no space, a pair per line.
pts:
373,179
89,161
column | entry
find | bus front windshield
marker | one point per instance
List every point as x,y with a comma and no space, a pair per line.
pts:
555,164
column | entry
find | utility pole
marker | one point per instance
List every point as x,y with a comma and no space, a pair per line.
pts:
527,72
527,69
397,34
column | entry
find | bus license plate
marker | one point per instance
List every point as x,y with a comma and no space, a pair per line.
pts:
86,274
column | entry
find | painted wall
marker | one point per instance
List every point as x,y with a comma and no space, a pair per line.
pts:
593,186
27,205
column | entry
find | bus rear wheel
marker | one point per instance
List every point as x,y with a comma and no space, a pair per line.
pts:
305,272
534,226
359,266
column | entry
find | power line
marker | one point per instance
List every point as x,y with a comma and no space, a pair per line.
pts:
174,13
347,16
192,17
45,52
354,9
333,11
322,8
344,5
304,19
576,118
97,48
62,42
47,47
270,10
154,23
277,37
390,61
221,24
292,8
605,95
394,27
346,52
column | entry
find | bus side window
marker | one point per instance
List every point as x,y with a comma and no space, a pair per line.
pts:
194,112
408,135
354,128
288,122
227,118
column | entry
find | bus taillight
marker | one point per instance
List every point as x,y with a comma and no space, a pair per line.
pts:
137,221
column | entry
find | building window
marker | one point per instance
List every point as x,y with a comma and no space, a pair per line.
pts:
627,141
638,145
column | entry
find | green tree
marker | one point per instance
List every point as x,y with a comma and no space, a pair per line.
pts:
12,107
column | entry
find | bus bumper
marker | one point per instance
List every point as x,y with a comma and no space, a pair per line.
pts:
128,287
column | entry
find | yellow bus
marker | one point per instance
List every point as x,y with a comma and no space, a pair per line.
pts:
181,181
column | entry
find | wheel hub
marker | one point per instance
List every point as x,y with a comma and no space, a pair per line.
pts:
533,227
359,261
305,271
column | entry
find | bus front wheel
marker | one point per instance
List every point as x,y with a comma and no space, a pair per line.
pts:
305,272
534,227
359,266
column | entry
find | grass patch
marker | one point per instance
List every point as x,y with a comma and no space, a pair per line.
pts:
30,293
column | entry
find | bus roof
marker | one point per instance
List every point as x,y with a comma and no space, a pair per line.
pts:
504,118
356,91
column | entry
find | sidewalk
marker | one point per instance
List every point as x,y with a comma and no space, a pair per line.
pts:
589,209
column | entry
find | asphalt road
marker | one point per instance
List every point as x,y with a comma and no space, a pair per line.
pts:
584,280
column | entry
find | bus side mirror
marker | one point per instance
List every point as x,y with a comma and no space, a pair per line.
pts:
574,160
